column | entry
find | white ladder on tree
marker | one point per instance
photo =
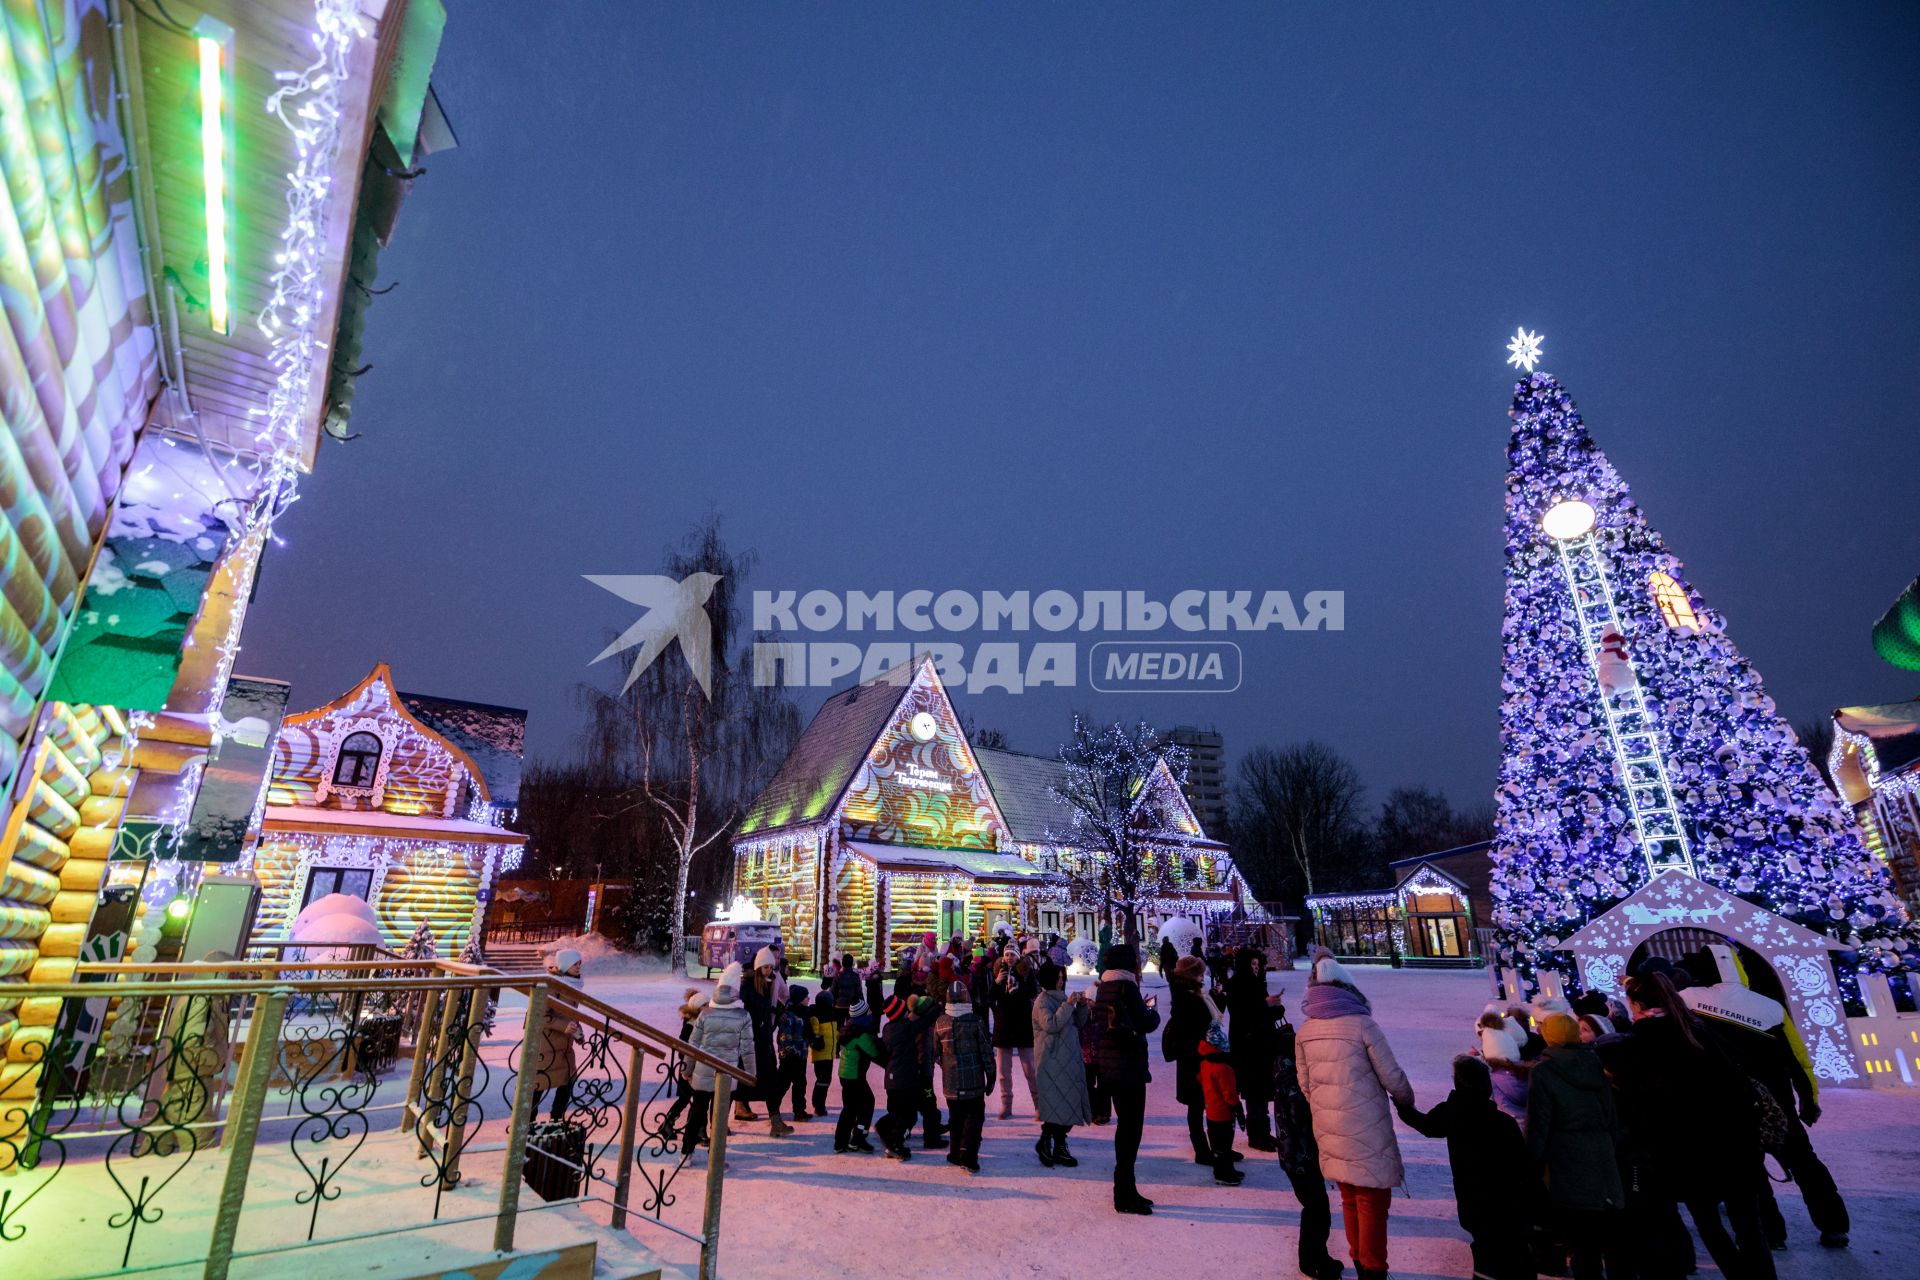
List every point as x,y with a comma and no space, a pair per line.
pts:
1636,749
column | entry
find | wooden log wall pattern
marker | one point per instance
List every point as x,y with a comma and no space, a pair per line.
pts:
438,888
913,907
853,905
274,865
51,869
780,881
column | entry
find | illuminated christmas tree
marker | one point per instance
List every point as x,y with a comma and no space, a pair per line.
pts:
1636,740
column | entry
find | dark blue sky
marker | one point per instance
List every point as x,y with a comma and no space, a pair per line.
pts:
1111,296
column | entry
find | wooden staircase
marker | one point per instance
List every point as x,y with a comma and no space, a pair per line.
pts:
516,957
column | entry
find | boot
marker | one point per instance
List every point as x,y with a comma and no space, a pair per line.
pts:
820,1100
1224,1171
1061,1155
1044,1147
1131,1201
778,1128
670,1124
1259,1135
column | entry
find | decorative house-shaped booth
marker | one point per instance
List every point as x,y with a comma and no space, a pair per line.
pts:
1432,917
1875,766
395,798
884,822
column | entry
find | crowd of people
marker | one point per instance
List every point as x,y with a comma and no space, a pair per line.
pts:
1576,1131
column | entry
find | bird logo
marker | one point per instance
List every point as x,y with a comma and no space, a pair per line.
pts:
674,611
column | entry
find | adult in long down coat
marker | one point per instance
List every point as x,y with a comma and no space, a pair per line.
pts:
1059,1075
1180,1045
1352,1082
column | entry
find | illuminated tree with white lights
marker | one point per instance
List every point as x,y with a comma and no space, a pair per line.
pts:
1635,738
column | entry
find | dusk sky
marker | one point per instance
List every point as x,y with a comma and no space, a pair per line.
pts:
1130,297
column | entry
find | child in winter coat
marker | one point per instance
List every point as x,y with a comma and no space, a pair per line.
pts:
722,1031
1502,1050
1097,1096
859,1049
793,1041
1219,1094
965,1052
1493,1172
691,1003
823,1044
1300,1158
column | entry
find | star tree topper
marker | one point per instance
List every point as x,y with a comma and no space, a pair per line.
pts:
1524,350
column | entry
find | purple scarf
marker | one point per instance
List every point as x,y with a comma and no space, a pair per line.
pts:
1335,1000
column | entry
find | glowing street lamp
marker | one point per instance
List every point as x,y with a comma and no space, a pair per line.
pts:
214,39
1567,520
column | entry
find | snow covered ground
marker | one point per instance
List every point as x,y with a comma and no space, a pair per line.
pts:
795,1208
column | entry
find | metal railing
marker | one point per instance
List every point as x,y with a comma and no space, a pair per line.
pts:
528,931
135,1070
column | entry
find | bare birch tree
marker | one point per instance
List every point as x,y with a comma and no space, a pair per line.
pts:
694,757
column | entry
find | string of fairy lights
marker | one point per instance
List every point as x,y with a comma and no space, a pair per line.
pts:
309,103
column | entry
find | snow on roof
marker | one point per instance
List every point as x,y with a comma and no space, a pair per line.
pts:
1022,787
284,817
972,862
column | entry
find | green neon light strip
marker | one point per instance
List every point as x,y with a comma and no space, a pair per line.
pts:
213,172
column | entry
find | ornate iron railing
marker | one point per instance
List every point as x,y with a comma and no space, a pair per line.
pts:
156,1078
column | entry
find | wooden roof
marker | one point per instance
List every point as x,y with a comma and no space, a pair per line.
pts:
228,377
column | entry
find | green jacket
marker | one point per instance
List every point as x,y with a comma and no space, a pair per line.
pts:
856,1052
1572,1129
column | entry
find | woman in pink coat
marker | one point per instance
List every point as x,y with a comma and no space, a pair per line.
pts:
1352,1084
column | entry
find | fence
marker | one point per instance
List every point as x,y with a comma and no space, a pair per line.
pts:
239,1101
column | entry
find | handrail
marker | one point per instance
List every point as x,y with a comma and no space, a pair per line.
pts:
448,976
441,1103
569,994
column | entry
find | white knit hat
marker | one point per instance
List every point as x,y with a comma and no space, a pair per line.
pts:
1544,1005
726,992
766,959
1327,969
564,961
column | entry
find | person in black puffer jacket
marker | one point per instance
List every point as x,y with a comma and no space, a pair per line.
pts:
1691,1137
1574,1134
1014,989
1253,1013
1125,1019
848,989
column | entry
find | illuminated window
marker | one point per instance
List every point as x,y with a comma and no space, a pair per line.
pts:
1671,597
